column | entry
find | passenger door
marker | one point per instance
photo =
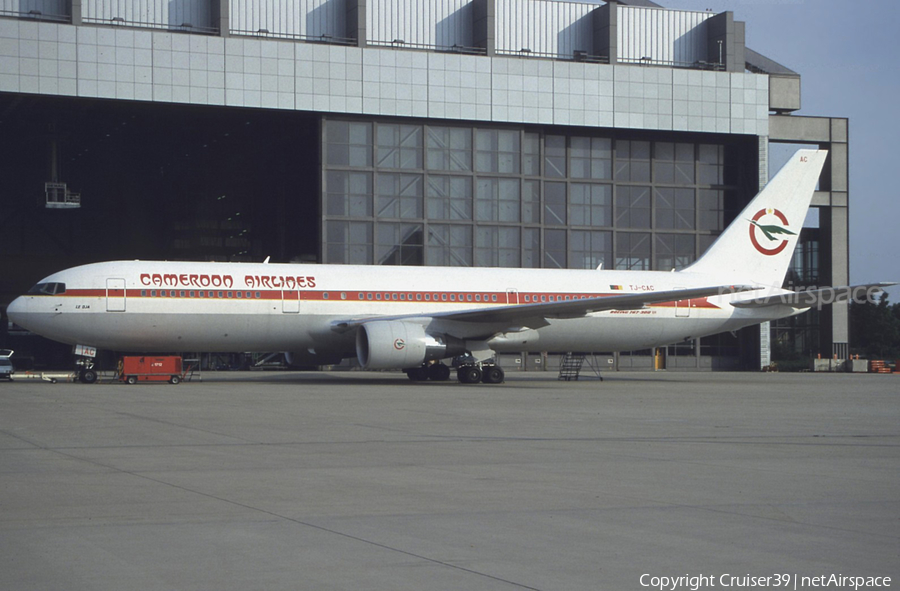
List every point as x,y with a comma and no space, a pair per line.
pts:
290,301
682,307
115,295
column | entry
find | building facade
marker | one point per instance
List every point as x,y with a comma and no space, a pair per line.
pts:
517,133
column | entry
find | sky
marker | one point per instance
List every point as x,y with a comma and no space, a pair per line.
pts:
847,56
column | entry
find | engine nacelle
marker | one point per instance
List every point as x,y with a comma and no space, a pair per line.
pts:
393,344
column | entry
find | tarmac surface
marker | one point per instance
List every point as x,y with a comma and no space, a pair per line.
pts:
357,481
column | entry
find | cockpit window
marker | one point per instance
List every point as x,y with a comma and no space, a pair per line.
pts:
48,289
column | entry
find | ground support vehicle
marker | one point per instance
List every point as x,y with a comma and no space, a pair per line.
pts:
147,368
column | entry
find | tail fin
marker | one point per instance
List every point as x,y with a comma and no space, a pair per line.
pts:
759,243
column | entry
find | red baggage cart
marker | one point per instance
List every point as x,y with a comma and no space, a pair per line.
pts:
151,369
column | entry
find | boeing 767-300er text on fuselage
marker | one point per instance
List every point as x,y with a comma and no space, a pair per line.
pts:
411,318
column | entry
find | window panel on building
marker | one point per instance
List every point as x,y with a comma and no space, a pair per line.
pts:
531,202
555,156
531,248
555,249
711,164
349,194
497,246
399,146
348,242
497,151
590,158
589,249
497,200
674,251
633,251
711,210
590,204
399,196
349,143
555,204
673,163
449,148
449,245
399,244
674,208
704,241
632,161
531,154
632,207
449,197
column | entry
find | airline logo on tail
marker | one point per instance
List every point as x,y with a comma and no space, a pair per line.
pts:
766,222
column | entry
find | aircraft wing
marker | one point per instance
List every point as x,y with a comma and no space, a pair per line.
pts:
814,297
494,319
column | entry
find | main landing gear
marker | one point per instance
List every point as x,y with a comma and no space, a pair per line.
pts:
467,372
488,373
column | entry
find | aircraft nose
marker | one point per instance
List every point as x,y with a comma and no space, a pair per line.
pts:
17,310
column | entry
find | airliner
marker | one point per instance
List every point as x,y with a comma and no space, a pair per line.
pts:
415,318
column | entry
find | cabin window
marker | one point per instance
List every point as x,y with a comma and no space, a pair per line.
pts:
192,294
378,296
527,299
324,295
494,298
469,297
444,297
257,295
418,297
452,297
477,297
394,297
343,295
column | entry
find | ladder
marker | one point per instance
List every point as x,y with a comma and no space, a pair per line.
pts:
571,363
570,366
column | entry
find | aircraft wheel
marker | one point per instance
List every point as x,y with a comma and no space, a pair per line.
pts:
175,380
493,375
417,374
88,376
469,374
131,380
438,372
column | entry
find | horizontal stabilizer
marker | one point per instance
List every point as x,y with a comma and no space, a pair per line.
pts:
816,297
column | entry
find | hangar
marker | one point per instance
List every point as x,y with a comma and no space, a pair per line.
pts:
517,133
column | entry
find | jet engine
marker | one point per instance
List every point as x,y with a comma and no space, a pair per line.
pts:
393,344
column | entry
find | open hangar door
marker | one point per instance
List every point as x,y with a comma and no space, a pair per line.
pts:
150,181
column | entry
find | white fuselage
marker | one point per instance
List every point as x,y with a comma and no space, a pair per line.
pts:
194,306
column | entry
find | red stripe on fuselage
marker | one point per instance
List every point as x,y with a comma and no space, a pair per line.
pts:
432,297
